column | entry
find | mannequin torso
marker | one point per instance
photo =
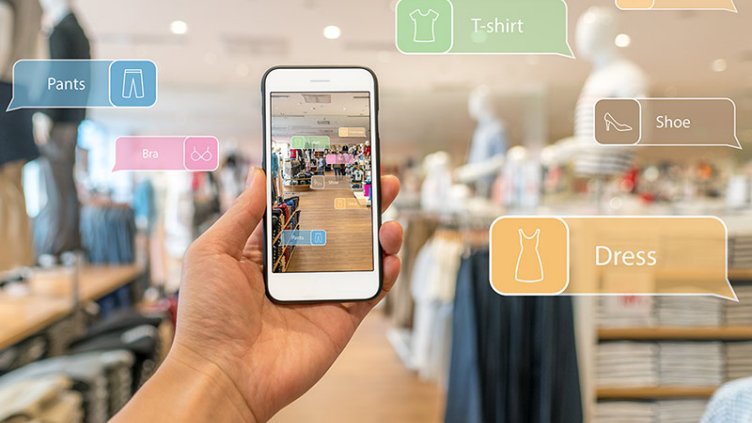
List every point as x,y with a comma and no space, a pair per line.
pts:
617,79
613,77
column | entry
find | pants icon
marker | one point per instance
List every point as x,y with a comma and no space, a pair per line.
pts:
133,83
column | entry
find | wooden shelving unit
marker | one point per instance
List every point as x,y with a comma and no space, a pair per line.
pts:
658,392
589,342
741,275
279,235
727,333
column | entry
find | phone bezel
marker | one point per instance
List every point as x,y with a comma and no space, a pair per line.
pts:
324,286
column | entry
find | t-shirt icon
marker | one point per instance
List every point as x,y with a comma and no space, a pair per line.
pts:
425,25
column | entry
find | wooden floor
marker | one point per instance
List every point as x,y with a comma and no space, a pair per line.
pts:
368,384
348,233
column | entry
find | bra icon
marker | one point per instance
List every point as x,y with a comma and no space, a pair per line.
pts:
206,156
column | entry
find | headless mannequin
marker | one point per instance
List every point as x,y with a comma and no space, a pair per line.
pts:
489,141
57,226
19,28
438,182
612,77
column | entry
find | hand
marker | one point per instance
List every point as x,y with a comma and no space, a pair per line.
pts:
264,355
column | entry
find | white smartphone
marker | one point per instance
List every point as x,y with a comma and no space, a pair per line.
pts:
323,211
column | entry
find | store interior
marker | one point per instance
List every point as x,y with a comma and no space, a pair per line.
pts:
91,259
325,185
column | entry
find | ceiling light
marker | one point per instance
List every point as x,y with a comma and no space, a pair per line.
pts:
179,27
623,40
332,32
719,65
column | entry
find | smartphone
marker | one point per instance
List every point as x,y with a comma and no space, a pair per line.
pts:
323,210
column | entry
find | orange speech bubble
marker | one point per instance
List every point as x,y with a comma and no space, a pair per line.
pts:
611,256
677,5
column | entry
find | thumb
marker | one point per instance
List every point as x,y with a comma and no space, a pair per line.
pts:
232,230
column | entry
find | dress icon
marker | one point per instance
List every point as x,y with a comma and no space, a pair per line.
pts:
529,267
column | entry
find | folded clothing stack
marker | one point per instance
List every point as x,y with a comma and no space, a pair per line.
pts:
738,360
740,314
625,412
46,399
86,373
689,311
739,241
740,251
626,311
691,363
680,411
626,364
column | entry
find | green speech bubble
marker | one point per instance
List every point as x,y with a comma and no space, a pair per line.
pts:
483,27
301,142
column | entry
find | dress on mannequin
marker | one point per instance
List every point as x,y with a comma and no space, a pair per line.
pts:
56,229
20,22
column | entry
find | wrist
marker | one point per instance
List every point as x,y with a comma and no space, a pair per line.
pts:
211,383
197,389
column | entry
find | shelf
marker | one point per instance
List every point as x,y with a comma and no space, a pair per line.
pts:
727,333
659,392
740,274
279,259
279,235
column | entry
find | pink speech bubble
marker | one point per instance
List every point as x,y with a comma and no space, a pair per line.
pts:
339,159
194,154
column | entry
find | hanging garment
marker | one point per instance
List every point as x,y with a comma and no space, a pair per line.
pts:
417,231
529,267
108,234
17,144
15,227
513,358
68,41
433,289
16,131
16,134
57,227
464,393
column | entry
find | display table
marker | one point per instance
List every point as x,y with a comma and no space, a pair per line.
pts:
22,318
51,299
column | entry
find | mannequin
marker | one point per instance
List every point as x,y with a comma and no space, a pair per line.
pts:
57,226
489,141
438,182
612,77
20,22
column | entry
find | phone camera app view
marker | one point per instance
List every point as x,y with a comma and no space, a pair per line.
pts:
321,182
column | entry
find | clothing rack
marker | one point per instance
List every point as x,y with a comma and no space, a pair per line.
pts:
476,392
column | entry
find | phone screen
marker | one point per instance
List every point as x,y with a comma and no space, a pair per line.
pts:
321,184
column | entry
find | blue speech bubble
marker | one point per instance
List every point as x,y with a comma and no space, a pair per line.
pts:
64,84
304,238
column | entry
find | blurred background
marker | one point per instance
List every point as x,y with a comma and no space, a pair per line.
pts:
90,259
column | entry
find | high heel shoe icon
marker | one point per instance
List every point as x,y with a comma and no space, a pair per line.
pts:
611,122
